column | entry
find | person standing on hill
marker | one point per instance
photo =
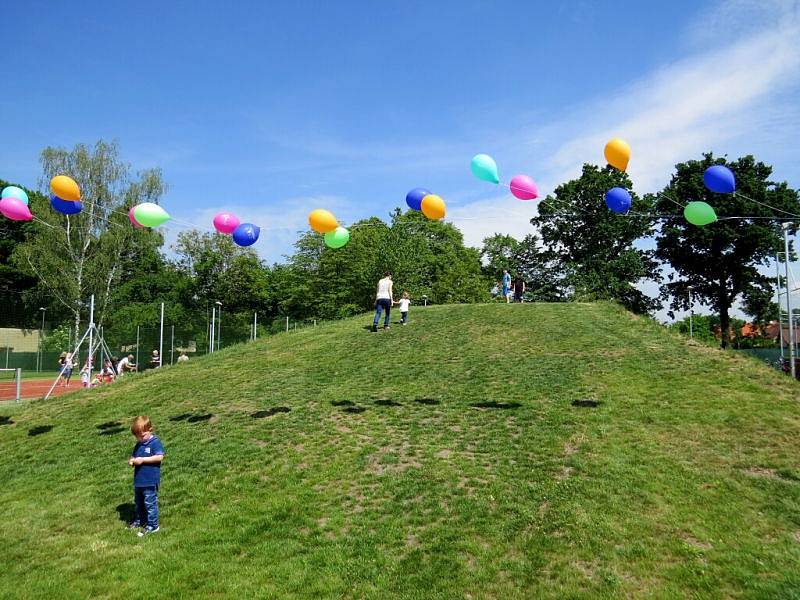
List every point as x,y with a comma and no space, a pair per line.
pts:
507,285
519,289
384,298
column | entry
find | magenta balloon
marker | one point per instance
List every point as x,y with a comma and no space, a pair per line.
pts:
524,188
134,222
226,222
15,209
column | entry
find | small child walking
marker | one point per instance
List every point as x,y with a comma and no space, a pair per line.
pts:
146,462
404,302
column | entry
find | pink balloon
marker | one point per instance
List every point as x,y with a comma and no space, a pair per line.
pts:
524,188
226,222
15,209
134,222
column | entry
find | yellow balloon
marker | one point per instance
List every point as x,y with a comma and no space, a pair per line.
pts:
65,188
433,207
322,221
618,153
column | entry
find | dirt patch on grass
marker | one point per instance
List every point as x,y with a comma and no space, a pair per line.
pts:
394,459
762,472
695,543
586,569
412,541
443,453
797,536
564,474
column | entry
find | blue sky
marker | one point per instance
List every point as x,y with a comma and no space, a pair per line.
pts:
273,109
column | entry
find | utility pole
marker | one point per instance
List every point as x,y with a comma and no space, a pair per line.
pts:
792,369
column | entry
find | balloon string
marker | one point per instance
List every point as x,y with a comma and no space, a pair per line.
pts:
766,205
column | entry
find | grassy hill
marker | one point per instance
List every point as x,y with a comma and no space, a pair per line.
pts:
493,451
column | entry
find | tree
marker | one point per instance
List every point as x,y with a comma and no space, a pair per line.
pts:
75,256
719,263
593,246
500,252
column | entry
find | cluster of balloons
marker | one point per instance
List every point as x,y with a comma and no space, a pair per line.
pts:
485,168
323,221
243,234
719,179
14,204
431,205
618,153
65,195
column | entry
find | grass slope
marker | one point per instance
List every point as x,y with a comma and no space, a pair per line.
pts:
491,451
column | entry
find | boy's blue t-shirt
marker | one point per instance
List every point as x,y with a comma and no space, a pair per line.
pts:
507,280
147,475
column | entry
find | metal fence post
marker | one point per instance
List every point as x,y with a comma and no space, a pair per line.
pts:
287,331
19,382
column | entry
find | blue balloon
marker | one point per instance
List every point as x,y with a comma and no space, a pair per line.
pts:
65,207
15,192
246,234
415,196
618,199
720,179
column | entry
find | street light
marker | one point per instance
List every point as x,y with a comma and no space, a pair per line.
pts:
691,313
41,333
425,299
219,325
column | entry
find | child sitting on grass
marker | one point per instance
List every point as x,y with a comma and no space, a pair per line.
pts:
146,461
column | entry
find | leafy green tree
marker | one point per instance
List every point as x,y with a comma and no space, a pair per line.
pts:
75,256
720,262
500,252
594,246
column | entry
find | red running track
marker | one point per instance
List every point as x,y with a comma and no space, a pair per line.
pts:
34,388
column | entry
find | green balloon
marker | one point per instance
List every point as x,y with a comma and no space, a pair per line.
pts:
699,213
150,215
337,238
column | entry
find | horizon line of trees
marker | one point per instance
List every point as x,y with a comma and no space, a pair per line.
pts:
578,250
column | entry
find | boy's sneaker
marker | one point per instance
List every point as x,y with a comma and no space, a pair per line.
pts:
135,525
147,531
386,328
374,329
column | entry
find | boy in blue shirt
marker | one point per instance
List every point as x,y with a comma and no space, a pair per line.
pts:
146,461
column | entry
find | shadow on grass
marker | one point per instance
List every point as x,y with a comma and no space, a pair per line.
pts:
495,404
586,403
354,409
112,431
342,403
39,430
427,401
109,425
387,402
269,412
182,417
198,418
126,512
6,421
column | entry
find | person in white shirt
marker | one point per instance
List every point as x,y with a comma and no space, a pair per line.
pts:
125,365
183,357
384,298
404,302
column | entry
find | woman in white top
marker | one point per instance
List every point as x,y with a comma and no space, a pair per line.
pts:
384,298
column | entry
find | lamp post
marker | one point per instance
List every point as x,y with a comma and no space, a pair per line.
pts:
41,333
425,299
691,313
219,325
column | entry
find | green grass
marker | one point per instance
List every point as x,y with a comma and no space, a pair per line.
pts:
470,473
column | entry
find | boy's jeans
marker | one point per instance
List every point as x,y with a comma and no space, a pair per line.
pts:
404,317
146,500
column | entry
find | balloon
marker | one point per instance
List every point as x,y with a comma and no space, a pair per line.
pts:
226,222
149,214
433,207
720,179
134,222
618,199
322,221
65,207
415,196
337,238
15,209
65,188
246,234
699,213
524,188
13,191
484,167
618,153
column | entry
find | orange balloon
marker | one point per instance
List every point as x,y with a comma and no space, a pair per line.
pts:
65,188
322,221
618,153
433,207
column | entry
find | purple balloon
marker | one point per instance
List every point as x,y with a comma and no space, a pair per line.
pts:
524,188
618,199
415,196
15,209
246,234
65,207
720,179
